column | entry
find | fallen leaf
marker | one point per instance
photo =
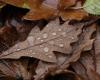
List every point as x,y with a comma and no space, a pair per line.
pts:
97,50
73,14
54,37
18,68
44,11
63,4
17,3
84,44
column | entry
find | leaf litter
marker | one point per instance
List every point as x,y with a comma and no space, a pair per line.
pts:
49,40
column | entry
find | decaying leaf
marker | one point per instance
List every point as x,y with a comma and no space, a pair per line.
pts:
97,50
13,32
44,12
18,3
63,75
73,14
63,4
84,44
64,42
54,37
18,69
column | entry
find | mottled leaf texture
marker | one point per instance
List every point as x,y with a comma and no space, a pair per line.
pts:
18,68
84,44
69,13
37,8
17,3
73,14
97,50
54,37
66,3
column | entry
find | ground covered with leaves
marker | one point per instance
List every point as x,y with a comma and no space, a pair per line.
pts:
49,40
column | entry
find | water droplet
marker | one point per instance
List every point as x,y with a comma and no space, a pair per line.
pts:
46,49
61,45
18,49
41,40
72,37
59,29
45,35
38,38
64,34
31,51
54,33
41,46
30,40
50,56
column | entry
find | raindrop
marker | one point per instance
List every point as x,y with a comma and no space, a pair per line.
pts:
18,49
45,35
41,40
38,38
72,37
64,34
46,49
54,34
59,29
30,40
50,56
61,45
31,50
41,46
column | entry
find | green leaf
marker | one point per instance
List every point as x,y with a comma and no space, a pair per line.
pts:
92,6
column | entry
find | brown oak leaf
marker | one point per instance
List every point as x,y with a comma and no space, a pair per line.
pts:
48,9
97,50
39,10
54,37
73,14
84,44
63,4
17,3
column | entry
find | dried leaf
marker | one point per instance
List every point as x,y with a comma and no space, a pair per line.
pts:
80,70
52,75
13,32
18,68
34,14
84,44
97,50
73,14
37,8
63,4
53,37
17,3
